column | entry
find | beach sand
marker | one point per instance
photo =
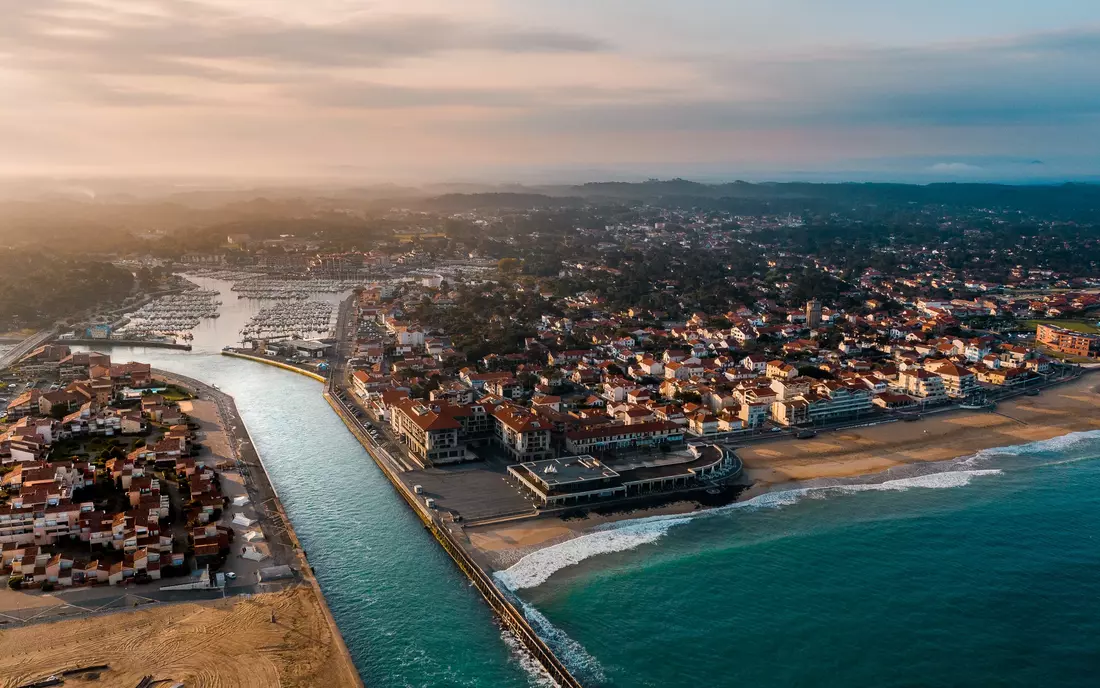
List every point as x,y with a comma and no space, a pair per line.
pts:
223,644
937,437
1072,407
211,434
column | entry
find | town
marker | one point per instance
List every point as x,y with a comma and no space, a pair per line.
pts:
618,347
520,372
105,480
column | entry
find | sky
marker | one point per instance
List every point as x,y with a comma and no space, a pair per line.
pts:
552,90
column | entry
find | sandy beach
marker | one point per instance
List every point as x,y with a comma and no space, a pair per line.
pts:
223,644
1073,407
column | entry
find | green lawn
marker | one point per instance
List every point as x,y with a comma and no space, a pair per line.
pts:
1084,326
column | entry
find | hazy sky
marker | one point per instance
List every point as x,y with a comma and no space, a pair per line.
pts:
481,89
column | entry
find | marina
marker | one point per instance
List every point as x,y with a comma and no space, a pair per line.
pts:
291,319
276,288
170,316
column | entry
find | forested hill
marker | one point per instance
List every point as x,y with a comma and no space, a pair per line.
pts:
39,290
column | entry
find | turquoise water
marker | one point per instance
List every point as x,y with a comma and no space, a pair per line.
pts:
987,576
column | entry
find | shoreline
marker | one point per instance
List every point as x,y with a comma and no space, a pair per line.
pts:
259,484
863,452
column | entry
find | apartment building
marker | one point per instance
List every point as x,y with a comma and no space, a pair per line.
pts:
429,431
522,434
616,437
925,386
1067,341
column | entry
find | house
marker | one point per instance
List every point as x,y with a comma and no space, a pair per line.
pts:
780,370
704,423
755,362
676,371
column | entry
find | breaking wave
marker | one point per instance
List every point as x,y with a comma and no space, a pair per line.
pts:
1054,444
535,673
533,569
569,651
536,568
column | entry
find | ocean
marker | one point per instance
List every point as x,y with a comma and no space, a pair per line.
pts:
980,572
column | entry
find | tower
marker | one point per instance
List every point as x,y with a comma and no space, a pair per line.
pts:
813,313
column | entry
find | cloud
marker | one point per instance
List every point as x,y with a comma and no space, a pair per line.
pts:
956,168
194,40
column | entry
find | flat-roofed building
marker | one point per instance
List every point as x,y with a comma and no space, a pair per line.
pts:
582,479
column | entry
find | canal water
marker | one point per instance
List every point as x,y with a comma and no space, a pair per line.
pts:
408,616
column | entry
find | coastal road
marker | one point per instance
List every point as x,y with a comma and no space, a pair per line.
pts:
25,347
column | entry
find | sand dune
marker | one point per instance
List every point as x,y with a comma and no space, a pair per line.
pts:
224,644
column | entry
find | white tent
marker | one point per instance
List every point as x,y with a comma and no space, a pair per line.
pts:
250,552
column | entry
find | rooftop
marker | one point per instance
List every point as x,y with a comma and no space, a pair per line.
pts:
569,470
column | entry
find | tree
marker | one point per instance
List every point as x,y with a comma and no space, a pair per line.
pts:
509,266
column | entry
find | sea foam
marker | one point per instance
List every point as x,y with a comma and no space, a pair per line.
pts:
580,663
536,568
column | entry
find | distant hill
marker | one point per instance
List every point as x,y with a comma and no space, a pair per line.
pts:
794,197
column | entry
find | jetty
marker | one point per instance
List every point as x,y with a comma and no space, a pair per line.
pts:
149,343
501,604
262,491
272,362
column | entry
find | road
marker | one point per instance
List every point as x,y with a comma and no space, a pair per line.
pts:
25,347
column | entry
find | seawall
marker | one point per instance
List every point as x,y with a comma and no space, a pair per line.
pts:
265,493
509,615
126,342
277,364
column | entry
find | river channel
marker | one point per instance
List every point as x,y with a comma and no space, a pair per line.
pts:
408,616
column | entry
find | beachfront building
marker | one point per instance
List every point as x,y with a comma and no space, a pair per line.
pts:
926,387
522,433
958,381
568,480
791,412
584,479
624,437
429,432
1067,341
